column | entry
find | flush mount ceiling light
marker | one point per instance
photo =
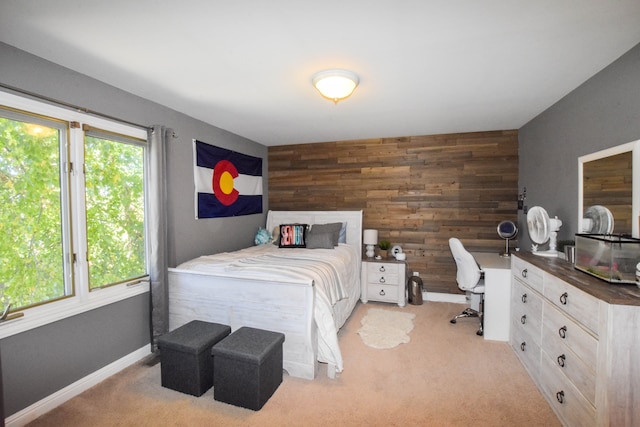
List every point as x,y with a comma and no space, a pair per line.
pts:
335,85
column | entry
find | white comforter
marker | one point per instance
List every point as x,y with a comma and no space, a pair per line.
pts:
332,271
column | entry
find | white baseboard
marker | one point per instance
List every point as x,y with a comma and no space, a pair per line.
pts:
439,297
50,402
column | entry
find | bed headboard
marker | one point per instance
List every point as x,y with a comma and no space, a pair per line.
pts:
352,218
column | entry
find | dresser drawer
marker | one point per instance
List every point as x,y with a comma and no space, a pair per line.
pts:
576,303
570,405
564,331
383,293
526,309
580,374
526,348
527,273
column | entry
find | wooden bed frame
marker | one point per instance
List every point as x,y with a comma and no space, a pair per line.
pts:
272,305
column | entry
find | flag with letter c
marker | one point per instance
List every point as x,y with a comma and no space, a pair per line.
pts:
227,183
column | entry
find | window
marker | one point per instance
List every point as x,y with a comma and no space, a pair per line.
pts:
73,197
114,192
32,196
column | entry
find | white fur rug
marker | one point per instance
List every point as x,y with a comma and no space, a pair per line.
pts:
385,328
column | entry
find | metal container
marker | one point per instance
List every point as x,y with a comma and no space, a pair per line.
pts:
415,290
570,254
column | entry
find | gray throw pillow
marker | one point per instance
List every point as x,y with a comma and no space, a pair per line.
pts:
320,241
333,229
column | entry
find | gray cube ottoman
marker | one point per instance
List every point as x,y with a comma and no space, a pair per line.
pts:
185,356
248,367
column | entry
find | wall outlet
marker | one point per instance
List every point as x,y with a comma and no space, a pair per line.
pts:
416,273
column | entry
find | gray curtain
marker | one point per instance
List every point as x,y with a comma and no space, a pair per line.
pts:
159,299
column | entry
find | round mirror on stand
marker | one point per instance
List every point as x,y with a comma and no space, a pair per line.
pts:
507,230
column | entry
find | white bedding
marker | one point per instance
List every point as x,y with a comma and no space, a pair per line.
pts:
333,272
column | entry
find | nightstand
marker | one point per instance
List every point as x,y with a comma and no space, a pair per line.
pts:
383,280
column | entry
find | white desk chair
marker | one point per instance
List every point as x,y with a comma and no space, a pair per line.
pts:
470,279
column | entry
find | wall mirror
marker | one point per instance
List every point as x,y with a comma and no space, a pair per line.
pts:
611,178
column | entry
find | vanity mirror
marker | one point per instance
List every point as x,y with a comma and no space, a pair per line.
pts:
611,178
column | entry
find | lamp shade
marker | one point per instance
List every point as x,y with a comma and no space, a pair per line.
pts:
370,237
335,84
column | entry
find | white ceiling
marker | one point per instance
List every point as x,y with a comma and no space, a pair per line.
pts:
425,66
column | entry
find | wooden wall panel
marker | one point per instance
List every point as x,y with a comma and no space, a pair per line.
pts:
416,191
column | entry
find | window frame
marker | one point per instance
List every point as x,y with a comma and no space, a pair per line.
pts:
81,299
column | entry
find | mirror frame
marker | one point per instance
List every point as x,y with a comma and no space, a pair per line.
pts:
634,148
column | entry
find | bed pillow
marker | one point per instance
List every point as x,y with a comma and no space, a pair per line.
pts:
342,238
293,236
319,240
333,229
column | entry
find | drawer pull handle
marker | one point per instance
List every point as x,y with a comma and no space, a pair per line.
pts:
382,269
524,298
523,346
563,298
523,319
382,293
561,359
560,396
382,280
524,273
562,332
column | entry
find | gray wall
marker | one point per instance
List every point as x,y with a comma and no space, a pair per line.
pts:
41,361
601,113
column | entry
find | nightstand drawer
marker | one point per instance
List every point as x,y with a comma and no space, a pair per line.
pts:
374,268
383,293
382,273
382,278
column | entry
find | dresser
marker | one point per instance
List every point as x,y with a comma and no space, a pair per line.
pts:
384,281
579,339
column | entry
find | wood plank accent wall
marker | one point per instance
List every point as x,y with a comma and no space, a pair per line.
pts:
417,191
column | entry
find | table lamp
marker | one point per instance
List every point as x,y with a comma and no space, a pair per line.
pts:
370,238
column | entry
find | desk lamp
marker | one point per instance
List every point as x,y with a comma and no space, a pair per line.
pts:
370,238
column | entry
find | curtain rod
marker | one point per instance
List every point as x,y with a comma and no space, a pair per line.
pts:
70,106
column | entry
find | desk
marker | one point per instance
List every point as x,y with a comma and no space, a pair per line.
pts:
497,294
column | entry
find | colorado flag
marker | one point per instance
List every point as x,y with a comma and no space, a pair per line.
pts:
227,183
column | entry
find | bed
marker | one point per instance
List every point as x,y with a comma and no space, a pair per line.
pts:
293,290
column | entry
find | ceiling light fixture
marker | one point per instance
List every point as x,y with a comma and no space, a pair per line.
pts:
335,85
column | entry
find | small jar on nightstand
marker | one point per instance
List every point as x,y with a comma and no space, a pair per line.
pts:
383,280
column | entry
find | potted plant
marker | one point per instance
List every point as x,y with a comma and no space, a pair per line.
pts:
384,246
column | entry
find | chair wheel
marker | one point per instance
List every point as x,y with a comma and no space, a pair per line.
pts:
480,333
453,320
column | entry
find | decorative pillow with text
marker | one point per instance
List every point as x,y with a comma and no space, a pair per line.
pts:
293,236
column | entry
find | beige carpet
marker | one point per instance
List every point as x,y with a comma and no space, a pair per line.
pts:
445,376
